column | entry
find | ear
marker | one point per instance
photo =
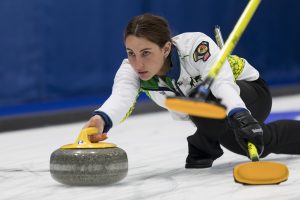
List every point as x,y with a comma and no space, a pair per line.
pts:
167,48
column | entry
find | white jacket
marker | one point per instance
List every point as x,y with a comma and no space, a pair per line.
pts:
192,56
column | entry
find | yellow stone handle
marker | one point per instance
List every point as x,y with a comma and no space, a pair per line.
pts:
83,141
83,136
90,130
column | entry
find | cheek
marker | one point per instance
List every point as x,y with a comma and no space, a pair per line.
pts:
131,62
160,61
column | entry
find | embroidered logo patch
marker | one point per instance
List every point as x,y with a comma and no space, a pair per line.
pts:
202,52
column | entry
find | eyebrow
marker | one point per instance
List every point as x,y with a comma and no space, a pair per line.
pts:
140,50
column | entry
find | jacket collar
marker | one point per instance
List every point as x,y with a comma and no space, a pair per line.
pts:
174,71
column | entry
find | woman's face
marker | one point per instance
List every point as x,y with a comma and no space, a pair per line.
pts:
146,57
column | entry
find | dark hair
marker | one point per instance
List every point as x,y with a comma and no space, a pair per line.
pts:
153,28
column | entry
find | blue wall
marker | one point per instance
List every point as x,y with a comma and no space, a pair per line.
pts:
52,51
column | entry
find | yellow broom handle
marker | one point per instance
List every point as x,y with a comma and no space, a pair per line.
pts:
253,152
234,37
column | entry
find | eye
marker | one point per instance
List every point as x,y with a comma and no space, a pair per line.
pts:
146,53
130,53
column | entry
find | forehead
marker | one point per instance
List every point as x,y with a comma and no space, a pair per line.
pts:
138,43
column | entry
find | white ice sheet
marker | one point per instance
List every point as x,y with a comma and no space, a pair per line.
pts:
156,147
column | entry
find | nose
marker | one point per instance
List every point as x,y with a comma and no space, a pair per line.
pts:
138,63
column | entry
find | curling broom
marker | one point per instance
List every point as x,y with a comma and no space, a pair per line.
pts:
200,105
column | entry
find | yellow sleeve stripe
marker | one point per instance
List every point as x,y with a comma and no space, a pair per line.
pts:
237,65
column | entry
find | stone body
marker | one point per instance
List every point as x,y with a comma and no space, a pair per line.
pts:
85,167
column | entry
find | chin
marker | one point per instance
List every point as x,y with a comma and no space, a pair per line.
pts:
145,77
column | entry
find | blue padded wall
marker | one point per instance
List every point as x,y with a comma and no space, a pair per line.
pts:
59,50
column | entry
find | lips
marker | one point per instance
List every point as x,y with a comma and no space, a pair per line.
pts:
143,75
142,72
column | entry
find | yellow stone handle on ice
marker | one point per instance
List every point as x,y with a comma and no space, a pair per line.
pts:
83,141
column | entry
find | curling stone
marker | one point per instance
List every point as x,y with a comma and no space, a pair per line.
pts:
84,163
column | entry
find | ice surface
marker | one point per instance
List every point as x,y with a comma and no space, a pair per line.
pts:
156,147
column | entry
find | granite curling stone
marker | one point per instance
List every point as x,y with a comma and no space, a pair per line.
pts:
84,163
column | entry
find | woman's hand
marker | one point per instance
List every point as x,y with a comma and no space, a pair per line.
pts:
247,129
98,122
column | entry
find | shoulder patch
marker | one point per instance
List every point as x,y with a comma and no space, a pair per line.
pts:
202,52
